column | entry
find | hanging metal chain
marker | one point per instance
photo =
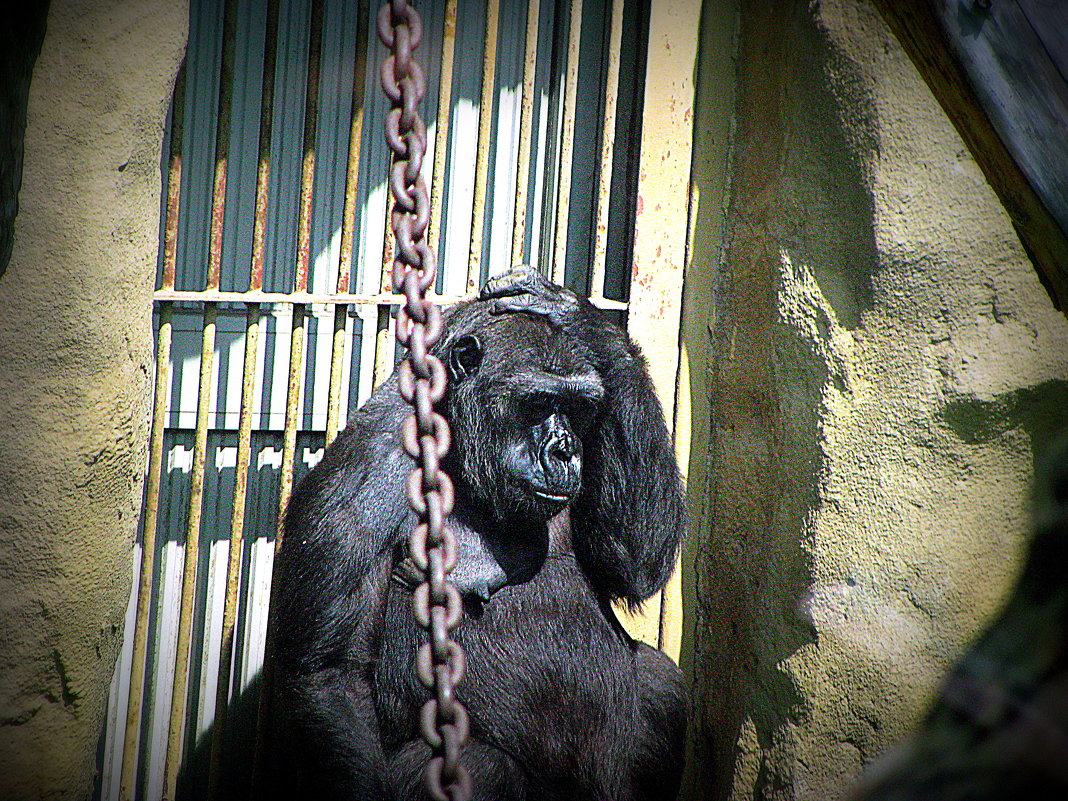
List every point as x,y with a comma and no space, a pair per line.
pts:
425,434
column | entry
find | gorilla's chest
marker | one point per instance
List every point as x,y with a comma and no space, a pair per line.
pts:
546,672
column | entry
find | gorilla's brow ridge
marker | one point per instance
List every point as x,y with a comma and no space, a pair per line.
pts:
585,385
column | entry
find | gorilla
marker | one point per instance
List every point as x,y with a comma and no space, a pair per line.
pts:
568,498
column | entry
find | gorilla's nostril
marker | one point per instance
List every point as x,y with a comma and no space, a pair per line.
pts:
562,449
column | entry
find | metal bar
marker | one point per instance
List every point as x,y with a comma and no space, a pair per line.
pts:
192,554
337,356
485,129
384,337
383,364
608,139
128,775
352,172
441,136
296,356
259,233
567,143
263,169
385,278
176,728
384,340
285,488
305,298
222,145
526,123
348,224
148,554
307,169
362,299
233,565
174,180
289,441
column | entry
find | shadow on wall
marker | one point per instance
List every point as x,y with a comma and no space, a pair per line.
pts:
828,212
1040,411
799,253
21,37
999,728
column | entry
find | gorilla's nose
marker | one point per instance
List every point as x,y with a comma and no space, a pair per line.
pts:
562,458
561,449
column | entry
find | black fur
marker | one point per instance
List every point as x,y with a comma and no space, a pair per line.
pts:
563,704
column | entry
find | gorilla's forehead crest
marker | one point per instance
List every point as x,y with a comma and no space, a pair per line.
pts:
539,345
514,342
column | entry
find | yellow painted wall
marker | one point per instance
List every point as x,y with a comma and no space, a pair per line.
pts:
660,251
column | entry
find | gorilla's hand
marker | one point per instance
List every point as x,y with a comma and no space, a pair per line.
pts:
527,291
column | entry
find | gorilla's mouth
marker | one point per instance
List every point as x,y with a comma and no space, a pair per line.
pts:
545,495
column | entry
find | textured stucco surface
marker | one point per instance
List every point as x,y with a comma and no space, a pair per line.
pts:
75,364
880,367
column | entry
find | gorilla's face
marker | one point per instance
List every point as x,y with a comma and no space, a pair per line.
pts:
523,399
543,455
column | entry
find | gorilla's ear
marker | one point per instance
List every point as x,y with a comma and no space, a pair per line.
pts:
465,356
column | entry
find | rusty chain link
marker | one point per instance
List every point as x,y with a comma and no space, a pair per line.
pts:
425,434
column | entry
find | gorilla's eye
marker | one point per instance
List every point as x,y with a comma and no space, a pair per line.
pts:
537,407
580,412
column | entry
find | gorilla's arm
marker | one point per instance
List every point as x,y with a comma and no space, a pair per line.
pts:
326,739
631,514
341,524
332,570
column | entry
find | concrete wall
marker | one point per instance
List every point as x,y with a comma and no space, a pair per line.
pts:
75,377
874,367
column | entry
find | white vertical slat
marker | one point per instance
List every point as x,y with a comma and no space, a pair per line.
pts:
369,316
213,619
505,164
230,342
461,194
262,563
541,179
321,345
119,697
163,678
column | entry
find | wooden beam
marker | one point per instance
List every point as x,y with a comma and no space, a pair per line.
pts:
916,25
